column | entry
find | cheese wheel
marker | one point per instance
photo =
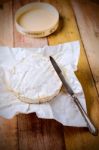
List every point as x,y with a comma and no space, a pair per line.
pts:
34,80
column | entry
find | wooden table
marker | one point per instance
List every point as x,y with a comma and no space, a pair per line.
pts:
79,20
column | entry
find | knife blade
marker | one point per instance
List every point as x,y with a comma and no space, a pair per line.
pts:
93,130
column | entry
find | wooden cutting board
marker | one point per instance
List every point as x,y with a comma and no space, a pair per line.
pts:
27,132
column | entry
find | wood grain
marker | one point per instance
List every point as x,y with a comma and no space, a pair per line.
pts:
6,24
67,24
8,128
8,134
87,15
34,133
78,138
39,134
27,132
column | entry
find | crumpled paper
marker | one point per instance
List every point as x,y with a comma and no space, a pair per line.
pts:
61,108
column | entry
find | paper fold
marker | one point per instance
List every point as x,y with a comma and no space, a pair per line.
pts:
62,107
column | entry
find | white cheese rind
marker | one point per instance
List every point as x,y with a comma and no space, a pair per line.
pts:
34,79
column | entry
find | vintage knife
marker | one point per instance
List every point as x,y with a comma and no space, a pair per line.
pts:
90,125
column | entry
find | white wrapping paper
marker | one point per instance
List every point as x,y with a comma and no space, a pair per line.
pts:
62,107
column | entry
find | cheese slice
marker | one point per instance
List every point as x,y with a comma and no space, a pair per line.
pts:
34,80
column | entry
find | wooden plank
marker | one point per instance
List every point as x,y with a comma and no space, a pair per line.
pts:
3,1
39,134
8,134
6,28
87,15
77,138
66,25
8,128
34,133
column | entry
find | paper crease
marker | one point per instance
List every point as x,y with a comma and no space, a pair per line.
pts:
62,107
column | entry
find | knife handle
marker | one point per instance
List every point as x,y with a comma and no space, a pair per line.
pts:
90,125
